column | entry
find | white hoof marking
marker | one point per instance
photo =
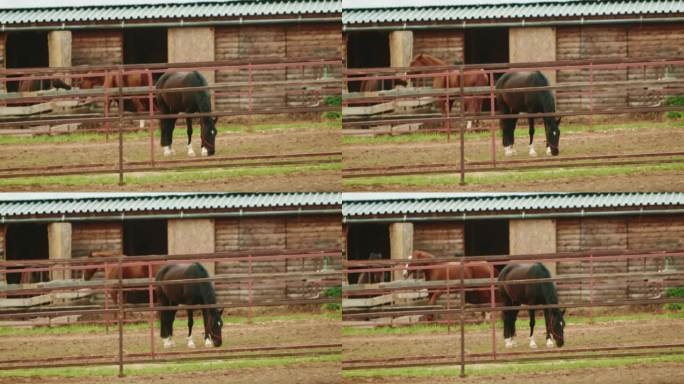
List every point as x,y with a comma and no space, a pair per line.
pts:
469,124
549,343
533,344
168,151
142,123
205,152
208,343
191,344
532,151
168,343
509,343
191,152
548,150
509,150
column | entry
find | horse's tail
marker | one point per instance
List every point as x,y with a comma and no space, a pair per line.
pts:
548,288
537,79
202,98
206,288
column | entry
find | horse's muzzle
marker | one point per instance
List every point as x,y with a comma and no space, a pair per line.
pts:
554,151
217,342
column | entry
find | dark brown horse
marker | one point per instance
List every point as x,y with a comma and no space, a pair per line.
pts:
186,102
39,85
452,271
201,293
111,272
137,104
470,79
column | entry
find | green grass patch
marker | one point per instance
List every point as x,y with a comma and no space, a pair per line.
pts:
485,370
169,176
170,368
675,292
512,176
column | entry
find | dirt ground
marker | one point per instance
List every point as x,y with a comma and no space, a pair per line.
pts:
228,143
627,140
622,333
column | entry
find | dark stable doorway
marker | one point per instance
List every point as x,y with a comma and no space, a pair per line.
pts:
145,237
486,46
27,242
366,239
26,50
148,45
486,238
367,50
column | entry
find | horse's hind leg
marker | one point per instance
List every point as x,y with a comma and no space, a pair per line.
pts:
531,124
532,343
547,320
191,344
167,318
207,338
167,135
188,122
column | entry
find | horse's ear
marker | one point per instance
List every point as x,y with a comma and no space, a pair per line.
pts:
562,312
215,119
558,120
221,312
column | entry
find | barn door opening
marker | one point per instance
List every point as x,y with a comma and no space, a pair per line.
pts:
486,45
368,241
26,50
367,50
486,238
145,237
142,46
27,242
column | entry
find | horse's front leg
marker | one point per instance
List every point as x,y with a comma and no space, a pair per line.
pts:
532,322
207,337
531,124
191,344
509,327
547,320
167,318
139,107
188,122
167,135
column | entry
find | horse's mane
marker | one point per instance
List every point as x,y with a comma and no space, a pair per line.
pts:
428,57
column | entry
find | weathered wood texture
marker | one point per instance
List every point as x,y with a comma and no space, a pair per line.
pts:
275,235
2,251
3,38
274,43
440,239
100,237
443,44
97,48
619,234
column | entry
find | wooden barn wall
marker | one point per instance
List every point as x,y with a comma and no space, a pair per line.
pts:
653,42
601,42
443,44
3,37
440,239
275,235
618,234
2,250
97,48
313,41
100,237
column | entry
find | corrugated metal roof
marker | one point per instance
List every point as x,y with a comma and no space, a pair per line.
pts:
511,202
169,11
540,9
106,203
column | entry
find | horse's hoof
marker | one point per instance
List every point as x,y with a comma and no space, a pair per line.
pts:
168,343
142,123
548,151
191,343
205,152
509,151
469,124
208,343
168,151
191,152
533,153
509,343
533,344
549,343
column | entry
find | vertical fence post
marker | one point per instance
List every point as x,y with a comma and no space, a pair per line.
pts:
463,127
591,95
249,288
150,96
462,316
591,287
448,295
106,300
492,112
120,111
249,93
492,314
447,106
105,88
150,292
120,297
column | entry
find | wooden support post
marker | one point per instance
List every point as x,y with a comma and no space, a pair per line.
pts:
401,244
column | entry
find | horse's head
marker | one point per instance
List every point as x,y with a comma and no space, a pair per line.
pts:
88,82
552,126
417,59
409,272
209,134
557,325
215,325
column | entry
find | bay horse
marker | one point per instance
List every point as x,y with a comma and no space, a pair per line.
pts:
187,102
372,277
530,102
189,294
531,294
111,272
470,79
451,270
39,85
380,85
138,104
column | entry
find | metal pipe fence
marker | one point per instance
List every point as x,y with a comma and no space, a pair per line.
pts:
662,268
263,88
646,86
304,279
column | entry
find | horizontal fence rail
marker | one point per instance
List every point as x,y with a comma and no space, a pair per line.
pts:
646,86
305,280
662,269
